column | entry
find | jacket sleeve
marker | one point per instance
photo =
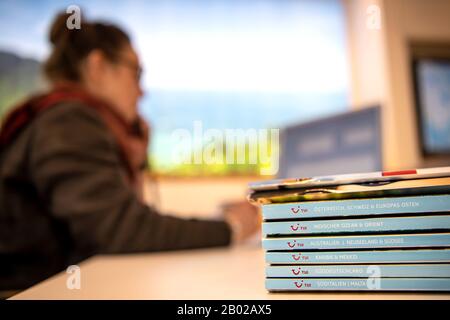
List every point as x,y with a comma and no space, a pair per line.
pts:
77,172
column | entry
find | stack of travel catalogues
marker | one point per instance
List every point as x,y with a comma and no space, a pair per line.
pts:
385,231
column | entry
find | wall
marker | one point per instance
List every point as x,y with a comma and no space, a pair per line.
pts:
380,67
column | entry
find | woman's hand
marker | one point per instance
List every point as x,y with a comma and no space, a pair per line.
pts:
243,218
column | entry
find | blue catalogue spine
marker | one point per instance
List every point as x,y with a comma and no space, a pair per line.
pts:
358,242
349,257
357,207
369,284
357,225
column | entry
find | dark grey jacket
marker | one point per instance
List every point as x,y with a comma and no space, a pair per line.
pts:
64,197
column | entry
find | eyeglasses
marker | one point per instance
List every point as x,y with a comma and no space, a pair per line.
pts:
138,70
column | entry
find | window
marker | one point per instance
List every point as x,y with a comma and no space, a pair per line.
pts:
226,63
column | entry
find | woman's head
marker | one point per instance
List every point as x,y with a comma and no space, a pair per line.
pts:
99,57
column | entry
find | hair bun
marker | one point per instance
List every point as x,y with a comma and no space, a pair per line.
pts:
71,46
58,29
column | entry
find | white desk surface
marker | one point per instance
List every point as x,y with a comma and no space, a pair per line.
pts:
225,273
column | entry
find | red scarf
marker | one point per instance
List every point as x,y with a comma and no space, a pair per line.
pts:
132,139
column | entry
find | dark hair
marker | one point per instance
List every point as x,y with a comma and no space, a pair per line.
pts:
71,46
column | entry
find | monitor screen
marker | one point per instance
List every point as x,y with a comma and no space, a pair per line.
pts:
346,143
432,80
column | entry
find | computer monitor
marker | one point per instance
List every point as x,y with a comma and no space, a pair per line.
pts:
432,93
345,143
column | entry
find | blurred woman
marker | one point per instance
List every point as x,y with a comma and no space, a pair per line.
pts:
71,162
